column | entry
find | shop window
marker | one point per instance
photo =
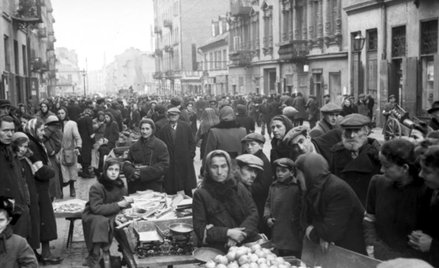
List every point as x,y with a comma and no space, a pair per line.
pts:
427,82
429,37
371,61
398,41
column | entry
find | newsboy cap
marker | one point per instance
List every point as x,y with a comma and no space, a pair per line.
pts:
294,132
174,110
4,103
251,161
254,137
330,108
284,162
354,121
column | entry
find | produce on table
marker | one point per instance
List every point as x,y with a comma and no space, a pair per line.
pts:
249,257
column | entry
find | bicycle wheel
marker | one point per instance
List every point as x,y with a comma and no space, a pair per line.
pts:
392,129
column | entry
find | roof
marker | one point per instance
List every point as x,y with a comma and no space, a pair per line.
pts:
215,39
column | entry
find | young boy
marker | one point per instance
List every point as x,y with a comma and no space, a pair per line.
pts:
282,209
14,249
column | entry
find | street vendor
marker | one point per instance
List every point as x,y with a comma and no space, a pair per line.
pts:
107,198
147,161
224,213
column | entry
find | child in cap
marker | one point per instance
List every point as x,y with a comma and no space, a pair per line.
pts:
14,249
282,209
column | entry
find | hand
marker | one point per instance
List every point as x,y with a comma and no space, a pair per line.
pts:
270,222
77,151
123,203
308,231
38,165
324,245
237,234
420,241
129,199
370,251
231,243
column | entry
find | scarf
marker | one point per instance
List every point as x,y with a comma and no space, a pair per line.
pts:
5,235
110,184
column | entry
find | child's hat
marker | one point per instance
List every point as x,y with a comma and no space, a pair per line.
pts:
284,162
7,204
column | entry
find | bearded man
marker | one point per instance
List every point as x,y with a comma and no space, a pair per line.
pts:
355,158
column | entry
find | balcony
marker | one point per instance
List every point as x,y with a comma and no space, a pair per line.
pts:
42,33
169,49
157,30
295,50
157,75
241,57
169,74
240,7
38,65
28,12
167,23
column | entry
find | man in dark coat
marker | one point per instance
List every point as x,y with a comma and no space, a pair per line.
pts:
355,158
12,184
85,128
148,161
332,211
299,104
244,120
312,109
330,112
181,147
74,110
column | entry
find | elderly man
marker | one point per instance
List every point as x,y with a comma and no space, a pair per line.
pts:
355,158
330,112
181,147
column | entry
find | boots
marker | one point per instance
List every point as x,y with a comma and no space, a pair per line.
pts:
72,189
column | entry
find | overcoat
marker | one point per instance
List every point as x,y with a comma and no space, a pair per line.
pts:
18,253
153,154
85,129
181,172
100,212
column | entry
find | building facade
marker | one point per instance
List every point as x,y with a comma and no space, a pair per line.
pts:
70,80
27,60
400,55
180,27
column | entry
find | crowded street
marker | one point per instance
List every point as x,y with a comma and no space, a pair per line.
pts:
219,134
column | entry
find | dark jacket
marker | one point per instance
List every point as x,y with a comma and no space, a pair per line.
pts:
356,172
18,252
428,221
111,133
85,129
227,136
322,127
153,155
247,122
279,148
42,177
300,105
99,213
181,149
209,210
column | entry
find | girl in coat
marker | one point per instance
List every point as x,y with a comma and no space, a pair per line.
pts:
280,125
106,200
224,213
43,174
282,209
71,142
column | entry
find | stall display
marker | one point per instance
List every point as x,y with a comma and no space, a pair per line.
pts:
68,208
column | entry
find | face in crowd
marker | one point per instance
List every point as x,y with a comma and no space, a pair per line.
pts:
248,175
219,169
252,147
284,173
278,129
353,139
302,144
7,129
61,114
173,117
330,118
113,171
146,130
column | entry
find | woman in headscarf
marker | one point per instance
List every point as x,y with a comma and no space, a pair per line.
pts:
111,132
280,125
224,213
70,147
44,111
209,118
393,202
44,173
332,211
52,140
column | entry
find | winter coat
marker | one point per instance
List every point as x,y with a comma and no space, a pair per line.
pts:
356,172
181,148
18,252
71,138
48,230
428,221
99,213
322,127
284,204
12,184
208,210
247,122
225,136
52,142
300,105
85,129
111,133
153,155
395,212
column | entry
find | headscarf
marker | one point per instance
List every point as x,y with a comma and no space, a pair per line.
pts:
32,126
315,168
287,122
107,182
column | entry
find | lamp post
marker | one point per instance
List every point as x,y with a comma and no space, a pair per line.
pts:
84,73
359,41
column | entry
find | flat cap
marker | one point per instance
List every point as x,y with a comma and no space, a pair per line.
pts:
254,137
174,110
4,103
251,161
284,162
289,111
294,132
354,121
330,107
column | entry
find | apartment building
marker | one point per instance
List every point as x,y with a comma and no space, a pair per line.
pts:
180,27
27,60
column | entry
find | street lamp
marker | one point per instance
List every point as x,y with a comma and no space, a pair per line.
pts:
84,73
358,45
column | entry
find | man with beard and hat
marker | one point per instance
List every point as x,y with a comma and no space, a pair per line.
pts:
355,158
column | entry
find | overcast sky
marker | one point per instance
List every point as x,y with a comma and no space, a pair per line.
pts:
95,28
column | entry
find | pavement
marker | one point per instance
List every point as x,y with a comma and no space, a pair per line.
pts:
74,256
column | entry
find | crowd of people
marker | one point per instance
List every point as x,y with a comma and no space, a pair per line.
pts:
325,180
